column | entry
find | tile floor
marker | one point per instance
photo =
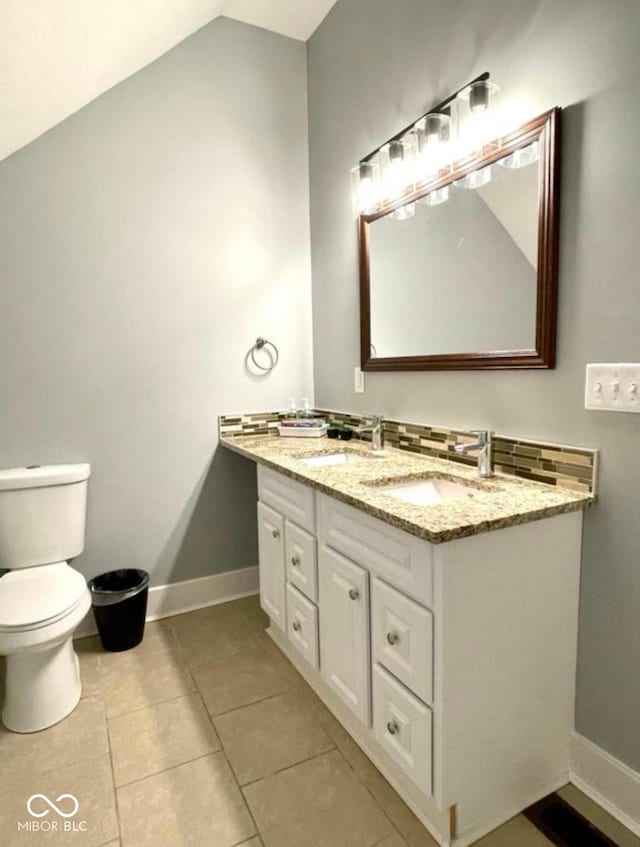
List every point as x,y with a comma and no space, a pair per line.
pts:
206,735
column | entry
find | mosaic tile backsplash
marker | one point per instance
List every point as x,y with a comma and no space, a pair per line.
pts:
555,464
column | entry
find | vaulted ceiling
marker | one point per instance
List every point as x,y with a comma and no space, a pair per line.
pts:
58,55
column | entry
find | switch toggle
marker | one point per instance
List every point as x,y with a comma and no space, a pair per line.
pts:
613,387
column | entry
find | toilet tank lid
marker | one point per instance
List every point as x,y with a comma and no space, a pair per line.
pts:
38,476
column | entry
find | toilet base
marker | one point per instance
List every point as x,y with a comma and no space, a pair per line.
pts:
42,687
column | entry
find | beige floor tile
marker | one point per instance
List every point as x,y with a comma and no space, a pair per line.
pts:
144,681
88,652
150,740
213,632
271,735
252,612
392,841
191,805
518,832
319,803
80,736
158,638
253,842
90,782
598,817
245,678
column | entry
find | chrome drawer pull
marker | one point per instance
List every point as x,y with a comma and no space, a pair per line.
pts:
354,593
295,561
275,533
296,626
393,728
393,638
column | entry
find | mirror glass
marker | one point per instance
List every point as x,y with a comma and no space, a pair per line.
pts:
459,276
462,273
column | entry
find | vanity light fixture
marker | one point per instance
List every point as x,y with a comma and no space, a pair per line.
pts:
420,152
405,212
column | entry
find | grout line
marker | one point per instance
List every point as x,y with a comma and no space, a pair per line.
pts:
151,705
331,749
113,780
170,768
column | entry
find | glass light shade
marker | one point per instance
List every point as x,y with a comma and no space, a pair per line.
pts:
365,187
435,198
476,117
521,158
476,179
397,167
404,212
432,135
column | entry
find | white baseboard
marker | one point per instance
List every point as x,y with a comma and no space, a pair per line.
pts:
178,597
607,781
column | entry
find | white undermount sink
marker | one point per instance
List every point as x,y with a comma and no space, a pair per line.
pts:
332,459
428,492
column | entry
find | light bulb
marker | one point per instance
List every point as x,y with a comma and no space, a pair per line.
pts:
364,187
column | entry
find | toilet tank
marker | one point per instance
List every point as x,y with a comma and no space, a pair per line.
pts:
42,514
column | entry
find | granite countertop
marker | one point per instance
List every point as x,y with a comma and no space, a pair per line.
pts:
494,503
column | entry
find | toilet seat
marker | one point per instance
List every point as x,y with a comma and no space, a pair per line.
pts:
31,598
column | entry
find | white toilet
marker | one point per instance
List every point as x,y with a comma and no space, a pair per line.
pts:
42,599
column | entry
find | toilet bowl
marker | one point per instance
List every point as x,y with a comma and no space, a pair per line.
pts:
39,610
42,598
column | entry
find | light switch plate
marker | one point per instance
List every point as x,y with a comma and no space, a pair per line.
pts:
358,380
613,387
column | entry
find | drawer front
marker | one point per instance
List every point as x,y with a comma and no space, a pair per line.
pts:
344,631
402,559
300,560
292,499
402,638
403,726
302,625
271,563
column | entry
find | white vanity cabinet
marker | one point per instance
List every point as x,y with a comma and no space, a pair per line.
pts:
451,665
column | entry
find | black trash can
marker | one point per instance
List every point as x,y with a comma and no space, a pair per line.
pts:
119,600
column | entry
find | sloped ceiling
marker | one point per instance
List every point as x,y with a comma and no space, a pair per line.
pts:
58,55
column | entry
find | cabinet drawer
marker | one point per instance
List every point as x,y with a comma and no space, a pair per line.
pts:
402,638
302,625
403,726
292,499
400,558
344,631
300,555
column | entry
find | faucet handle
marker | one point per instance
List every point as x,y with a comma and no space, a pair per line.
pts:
484,435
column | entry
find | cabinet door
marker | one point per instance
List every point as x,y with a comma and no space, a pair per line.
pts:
344,631
271,564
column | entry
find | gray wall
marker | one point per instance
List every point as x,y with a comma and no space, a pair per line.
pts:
144,244
373,67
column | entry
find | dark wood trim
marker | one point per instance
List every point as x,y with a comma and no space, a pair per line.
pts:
545,128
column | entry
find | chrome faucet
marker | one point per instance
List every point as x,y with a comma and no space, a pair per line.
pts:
375,427
485,445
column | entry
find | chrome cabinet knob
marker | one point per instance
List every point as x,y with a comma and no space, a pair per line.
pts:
354,593
296,626
275,533
393,638
393,728
295,561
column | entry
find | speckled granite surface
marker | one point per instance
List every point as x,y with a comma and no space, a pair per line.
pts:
495,503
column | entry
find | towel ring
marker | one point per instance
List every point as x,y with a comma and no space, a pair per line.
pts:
270,349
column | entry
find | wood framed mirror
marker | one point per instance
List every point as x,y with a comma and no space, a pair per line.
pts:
462,273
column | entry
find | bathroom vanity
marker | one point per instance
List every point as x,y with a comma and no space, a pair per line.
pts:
447,651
